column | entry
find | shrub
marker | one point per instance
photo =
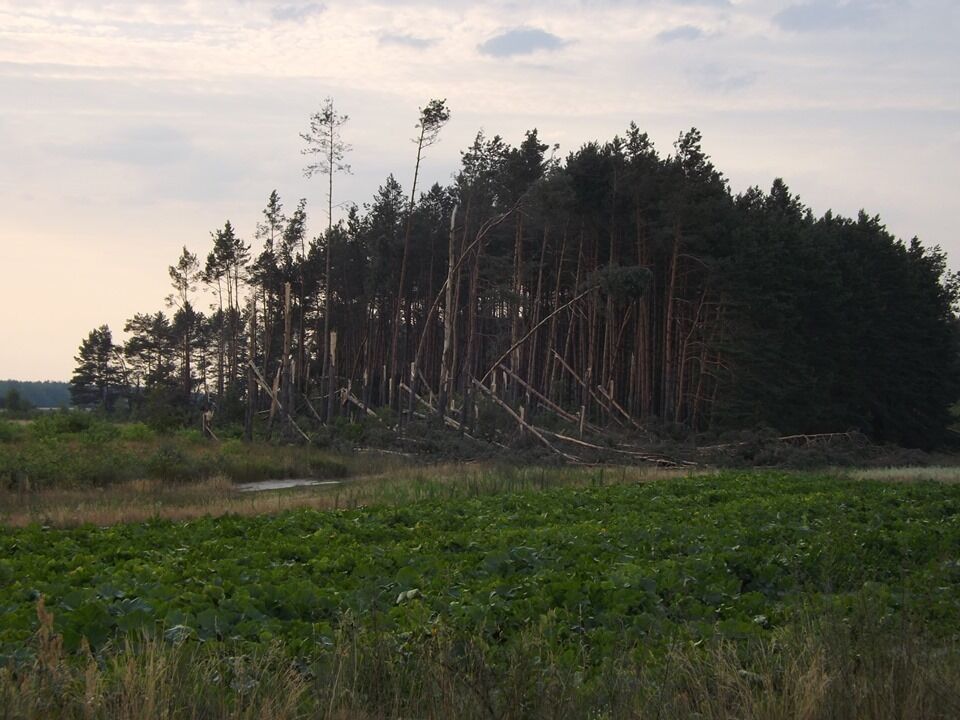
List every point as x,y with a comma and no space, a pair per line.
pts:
350,431
136,432
170,464
10,432
190,435
62,422
100,432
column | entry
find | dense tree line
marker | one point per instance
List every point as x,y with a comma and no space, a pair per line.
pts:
30,394
616,287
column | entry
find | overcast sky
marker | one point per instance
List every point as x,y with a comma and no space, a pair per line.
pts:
129,129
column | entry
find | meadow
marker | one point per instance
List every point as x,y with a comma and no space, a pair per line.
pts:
464,591
76,450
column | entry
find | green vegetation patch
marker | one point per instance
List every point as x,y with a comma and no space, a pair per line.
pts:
79,449
733,556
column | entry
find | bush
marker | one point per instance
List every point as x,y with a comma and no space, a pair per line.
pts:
99,433
170,464
349,431
10,432
190,435
136,432
62,422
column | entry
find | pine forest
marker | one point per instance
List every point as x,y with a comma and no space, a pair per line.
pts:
618,288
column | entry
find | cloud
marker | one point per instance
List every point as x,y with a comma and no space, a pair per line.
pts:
820,15
716,78
521,41
296,12
165,30
403,40
157,163
682,32
150,146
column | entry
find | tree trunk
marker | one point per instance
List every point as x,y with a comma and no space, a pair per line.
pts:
251,380
285,379
449,315
331,361
669,372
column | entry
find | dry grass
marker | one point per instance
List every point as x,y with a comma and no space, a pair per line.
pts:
942,474
824,670
142,500
381,480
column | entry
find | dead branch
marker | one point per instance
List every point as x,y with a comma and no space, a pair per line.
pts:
524,424
269,392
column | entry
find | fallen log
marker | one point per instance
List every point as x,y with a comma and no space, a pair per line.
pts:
580,381
659,460
273,397
524,424
615,404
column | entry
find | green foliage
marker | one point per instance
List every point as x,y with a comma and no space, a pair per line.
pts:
712,312
64,422
135,432
733,557
171,464
190,435
98,377
14,403
10,431
350,431
624,284
83,459
836,325
163,410
77,448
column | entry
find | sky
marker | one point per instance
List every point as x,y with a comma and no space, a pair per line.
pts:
131,129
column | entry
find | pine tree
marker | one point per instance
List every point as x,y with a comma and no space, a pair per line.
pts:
98,377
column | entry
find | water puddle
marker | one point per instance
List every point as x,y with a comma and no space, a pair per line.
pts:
282,484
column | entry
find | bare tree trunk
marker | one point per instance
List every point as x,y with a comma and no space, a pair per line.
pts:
682,382
449,315
469,358
285,379
268,323
251,380
220,341
188,318
668,390
567,354
517,303
547,384
394,360
532,356
331,362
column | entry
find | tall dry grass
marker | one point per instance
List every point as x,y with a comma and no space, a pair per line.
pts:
941,474
824,669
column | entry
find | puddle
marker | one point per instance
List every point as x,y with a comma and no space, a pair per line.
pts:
282,484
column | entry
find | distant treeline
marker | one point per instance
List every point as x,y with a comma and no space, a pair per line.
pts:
38,394
614,287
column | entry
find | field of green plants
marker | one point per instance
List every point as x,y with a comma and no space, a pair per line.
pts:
596,573
734,555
